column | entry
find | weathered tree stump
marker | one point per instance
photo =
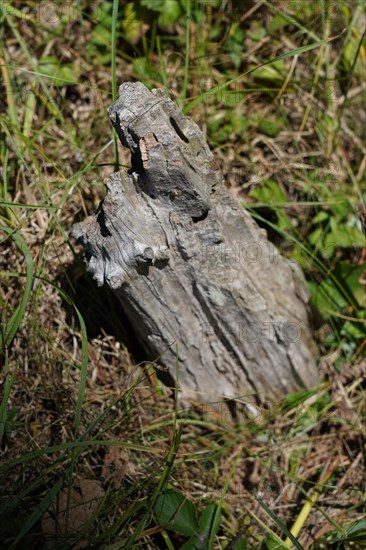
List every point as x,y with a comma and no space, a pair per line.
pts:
204,290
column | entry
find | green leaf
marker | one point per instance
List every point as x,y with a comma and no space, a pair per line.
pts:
353,331
326,297
340,289
170,13
270,127
208,527
156,5
344,236
241,544
176,512
52,67
356,527
321,216
277,23
131,25
101,35
235,45
316,238
348,277
356,531
241,123
275,72
256,31
271,193
273,544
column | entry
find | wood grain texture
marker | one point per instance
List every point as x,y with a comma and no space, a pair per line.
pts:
190,266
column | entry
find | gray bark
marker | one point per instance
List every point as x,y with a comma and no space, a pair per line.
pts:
204,290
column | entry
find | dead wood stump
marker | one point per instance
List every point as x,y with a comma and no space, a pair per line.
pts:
202,287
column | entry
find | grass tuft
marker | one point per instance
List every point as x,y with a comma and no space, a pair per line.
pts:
95,451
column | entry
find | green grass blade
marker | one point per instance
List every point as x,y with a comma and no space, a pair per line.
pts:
279,523
114,75
48,97
84,371
160,487
291,19
23,205
82,445
9,93
8,381
17,318
308,253
297,51
38,513
187,48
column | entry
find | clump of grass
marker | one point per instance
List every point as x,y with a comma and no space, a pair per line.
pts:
279,91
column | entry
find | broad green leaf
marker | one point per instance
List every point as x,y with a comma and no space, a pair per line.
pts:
171,13
321,216
177,513
354,331
340,289
271,193
270,127
354,532
348,276
101,35
316,238
208,526
344,235
356,527
278,22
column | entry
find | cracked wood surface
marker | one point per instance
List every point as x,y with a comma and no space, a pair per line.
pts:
202,287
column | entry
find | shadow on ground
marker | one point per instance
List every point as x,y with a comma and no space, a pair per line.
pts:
100,308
